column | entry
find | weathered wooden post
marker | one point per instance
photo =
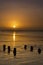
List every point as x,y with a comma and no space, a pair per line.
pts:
4,48
25,47
39,50
14,51
31,48
8,49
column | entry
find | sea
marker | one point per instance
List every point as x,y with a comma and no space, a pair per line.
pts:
18,39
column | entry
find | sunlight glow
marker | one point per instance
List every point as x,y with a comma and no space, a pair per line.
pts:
14,26
14,36
13,39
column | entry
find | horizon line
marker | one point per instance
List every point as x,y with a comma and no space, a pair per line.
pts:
3,29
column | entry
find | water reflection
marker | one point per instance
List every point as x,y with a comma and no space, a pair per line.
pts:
14,39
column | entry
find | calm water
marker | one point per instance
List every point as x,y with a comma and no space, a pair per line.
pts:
18,40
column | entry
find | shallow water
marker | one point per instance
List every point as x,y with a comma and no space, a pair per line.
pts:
18,40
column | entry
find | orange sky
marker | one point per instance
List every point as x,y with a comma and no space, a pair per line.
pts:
21,13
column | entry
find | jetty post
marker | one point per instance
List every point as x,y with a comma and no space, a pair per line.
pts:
9,49
4,48
31,48
14,51
25,47
39,50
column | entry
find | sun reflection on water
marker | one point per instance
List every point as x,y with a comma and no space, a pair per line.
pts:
14,39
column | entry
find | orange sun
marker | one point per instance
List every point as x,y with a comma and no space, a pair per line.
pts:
14,26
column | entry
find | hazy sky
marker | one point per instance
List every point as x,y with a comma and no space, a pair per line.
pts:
21,13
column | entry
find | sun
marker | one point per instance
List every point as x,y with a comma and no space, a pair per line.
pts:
14,26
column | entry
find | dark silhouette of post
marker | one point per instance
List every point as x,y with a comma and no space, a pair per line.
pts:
14,51
8,49
39,50
31,48
4,48
25,47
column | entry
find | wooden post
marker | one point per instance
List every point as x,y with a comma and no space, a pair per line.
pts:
31,48
14,51
39,50
8,49
25,47
4,48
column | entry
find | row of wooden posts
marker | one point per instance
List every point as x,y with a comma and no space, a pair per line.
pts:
14,50
9,49
31,49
